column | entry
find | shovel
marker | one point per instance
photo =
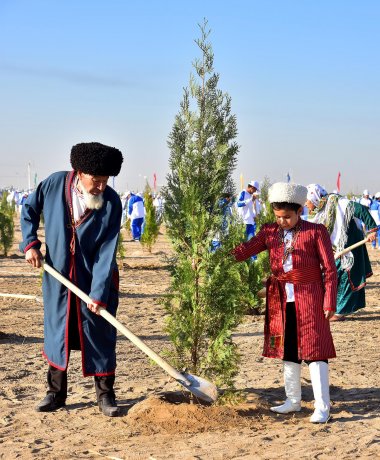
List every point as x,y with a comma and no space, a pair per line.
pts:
356,245
200,387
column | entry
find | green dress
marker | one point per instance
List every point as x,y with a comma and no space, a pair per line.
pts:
352,279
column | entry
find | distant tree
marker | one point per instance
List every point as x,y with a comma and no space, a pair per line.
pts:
7,211
120,250
151,226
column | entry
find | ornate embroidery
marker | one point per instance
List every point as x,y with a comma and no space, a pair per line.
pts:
276,341
289,249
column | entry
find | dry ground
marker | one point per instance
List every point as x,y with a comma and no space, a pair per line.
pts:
151,428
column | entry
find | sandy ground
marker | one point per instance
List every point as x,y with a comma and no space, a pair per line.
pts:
153,428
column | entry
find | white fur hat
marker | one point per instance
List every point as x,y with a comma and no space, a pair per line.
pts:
284,192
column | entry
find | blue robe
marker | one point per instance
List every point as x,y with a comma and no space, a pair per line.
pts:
85,253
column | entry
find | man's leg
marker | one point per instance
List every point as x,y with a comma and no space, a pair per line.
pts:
57,390
106,396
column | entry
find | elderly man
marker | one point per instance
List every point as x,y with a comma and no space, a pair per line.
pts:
82,222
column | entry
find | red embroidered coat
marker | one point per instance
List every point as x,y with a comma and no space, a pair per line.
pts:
315,289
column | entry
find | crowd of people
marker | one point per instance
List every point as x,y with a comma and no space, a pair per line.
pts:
317,277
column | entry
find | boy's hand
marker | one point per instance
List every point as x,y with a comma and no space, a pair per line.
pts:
329,314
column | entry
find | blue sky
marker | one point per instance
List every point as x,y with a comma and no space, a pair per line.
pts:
304,78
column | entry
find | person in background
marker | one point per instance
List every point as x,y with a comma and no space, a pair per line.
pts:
158,207
365,200
375,213
136,214
339,215
249,208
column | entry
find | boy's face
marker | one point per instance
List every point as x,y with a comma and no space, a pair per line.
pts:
287,218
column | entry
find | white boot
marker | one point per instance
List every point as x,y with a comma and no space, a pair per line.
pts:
319,373
292,382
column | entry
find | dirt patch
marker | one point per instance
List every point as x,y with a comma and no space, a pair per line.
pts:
173,413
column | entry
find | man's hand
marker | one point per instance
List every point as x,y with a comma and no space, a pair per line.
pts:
34,257
95,308
329,314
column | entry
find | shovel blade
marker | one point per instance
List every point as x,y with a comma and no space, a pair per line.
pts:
200,387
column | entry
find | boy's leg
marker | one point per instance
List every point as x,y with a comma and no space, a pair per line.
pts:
319,374
292,383
292,366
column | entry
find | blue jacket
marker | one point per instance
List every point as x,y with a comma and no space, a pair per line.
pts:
85,253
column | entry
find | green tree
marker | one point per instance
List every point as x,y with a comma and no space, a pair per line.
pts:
7,212
151,226
120,252
208,295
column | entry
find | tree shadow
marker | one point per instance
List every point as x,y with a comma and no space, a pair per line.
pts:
146,338
19,339
147,267
124,404
363,315
12,256
247,334
141,296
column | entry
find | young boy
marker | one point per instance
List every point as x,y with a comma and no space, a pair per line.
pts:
300,299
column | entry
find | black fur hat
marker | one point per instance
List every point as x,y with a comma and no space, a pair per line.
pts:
96,159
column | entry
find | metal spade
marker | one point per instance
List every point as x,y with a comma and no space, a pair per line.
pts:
200,387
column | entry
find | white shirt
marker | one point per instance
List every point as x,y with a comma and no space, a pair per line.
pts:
288,265
79,205
246,212
365,202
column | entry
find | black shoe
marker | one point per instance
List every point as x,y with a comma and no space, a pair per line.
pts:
108,406
50,403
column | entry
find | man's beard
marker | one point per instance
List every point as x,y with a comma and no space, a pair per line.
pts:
93,201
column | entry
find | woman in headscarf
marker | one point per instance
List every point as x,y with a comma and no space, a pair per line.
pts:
341,217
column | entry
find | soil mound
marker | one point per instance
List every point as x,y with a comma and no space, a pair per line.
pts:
173,414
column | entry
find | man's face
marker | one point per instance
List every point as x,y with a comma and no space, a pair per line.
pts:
287,218
95,185
250,189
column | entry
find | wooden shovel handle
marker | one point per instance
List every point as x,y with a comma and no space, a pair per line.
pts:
125,331
356,245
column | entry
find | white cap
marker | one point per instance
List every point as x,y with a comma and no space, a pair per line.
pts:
365,192
284,192
255,184
377,195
